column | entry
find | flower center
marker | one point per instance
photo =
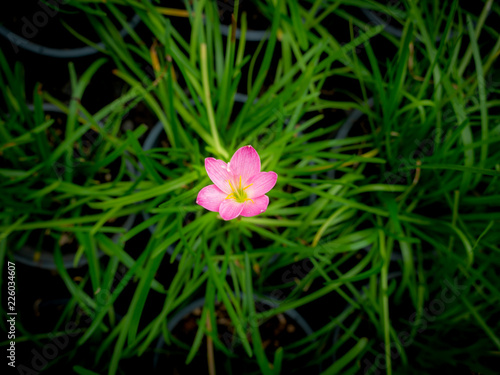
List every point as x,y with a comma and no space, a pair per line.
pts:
239,194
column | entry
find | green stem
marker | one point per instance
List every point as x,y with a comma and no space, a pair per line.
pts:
208,101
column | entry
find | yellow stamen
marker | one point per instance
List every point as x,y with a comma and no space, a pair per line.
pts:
239,194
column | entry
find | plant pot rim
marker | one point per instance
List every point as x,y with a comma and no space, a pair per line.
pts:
61,53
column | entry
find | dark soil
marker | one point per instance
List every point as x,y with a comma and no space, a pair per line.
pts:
278,331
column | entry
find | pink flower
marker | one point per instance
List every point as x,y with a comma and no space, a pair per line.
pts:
239,186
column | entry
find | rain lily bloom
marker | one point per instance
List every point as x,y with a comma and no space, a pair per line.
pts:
239,186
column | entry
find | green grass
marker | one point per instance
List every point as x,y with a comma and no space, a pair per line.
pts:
410,209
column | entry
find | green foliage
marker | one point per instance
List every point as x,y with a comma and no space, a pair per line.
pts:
396,222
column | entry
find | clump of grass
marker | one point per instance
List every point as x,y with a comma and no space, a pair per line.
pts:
59,158
406,218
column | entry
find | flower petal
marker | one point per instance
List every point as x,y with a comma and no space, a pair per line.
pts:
258,206
245,163
218,173
262,183
210,197
229,209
